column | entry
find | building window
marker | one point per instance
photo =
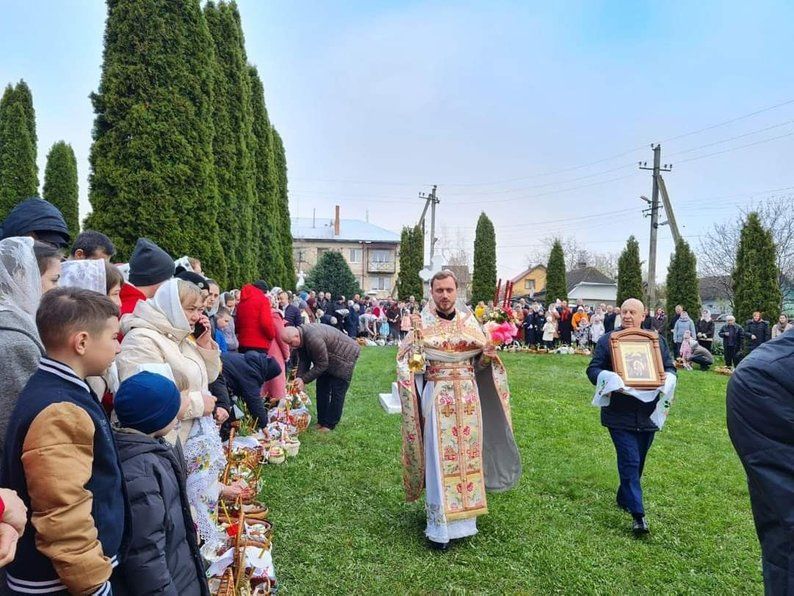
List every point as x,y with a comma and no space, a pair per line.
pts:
381,256
529,285
355,255
380,282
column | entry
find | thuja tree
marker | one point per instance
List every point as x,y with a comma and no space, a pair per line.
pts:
411,256
756,277
630,272
267,242
151,161
333,273
483,281
284,228
60,184
19,174
682,281
234,141
556,283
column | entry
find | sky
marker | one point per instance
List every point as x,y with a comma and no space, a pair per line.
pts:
534,113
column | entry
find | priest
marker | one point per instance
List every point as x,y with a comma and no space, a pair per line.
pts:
457,431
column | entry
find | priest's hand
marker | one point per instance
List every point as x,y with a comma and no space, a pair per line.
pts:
489,351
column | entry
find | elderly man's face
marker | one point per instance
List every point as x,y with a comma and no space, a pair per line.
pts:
631,313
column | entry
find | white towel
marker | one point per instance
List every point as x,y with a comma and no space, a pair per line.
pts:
609,381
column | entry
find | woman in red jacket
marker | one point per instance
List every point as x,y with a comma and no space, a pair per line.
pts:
254,319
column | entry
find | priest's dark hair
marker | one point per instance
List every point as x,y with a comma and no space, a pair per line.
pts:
444,274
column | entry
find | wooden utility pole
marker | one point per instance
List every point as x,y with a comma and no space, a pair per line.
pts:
654,213
431,200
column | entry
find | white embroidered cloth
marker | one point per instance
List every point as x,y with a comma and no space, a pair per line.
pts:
609,381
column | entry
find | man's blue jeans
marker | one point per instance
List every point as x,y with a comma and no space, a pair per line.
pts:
631,448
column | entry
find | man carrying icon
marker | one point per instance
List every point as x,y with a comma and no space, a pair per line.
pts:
632,417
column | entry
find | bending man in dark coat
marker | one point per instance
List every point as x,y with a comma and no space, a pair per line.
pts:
629,419
328,356
761,426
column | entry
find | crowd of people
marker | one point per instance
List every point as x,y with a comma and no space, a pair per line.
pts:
581,326
119,385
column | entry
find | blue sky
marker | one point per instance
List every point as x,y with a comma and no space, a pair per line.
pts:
498,103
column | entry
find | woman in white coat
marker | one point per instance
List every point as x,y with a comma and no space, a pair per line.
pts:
161,331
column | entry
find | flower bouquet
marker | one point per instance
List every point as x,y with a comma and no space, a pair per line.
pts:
500,327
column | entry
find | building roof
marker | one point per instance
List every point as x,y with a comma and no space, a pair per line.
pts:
523,274
350,230
589,275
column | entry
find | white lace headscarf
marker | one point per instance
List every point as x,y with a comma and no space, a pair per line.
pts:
166,300
20,280
87,274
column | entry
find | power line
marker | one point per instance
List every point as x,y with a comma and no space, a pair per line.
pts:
736,148
571,168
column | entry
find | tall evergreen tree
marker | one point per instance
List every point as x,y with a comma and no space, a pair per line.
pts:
24,97
151,161
234,140
334,275
60,184
18,170
682,280
267,214
630,272
483,282
556,282
756,277
411,256
285,227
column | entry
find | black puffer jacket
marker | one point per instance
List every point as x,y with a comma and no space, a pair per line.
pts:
325,349
163,556
761,330
760,408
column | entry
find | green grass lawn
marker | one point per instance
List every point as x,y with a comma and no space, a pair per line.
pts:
342,526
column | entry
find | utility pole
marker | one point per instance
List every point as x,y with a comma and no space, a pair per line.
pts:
654,213
431,201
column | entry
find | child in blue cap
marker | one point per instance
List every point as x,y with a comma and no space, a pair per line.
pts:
163,555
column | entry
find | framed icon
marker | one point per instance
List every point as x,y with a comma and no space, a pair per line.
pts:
637,358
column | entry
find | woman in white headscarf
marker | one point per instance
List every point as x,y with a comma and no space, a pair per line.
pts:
27,270
171,328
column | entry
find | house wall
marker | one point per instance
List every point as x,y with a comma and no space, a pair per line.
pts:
593,294
532,282
375,264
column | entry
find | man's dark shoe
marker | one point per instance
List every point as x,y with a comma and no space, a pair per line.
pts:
440,546
640,527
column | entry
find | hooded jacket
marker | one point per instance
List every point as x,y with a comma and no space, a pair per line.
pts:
163,555
35,215
244,374
254,320
760,408
149,337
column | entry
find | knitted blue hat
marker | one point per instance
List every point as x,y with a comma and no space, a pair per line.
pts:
147,402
